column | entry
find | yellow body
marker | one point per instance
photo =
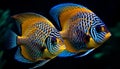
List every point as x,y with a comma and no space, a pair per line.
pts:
27,21
64,17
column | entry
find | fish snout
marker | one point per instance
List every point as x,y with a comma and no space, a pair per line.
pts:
61,46
108,35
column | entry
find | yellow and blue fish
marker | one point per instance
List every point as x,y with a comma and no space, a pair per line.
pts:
81,29
39,41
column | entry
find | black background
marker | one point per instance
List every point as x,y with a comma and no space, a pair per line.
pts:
107,10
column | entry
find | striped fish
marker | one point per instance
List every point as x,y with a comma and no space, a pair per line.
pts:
39,41
81,29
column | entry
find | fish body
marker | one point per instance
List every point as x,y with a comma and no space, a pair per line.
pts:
39,40
81,29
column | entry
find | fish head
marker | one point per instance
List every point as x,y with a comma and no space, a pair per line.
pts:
98,33
54,43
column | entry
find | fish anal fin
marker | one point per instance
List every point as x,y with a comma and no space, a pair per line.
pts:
21,41
66,53
47,54
25,53
86,53
69,46
41,63
19,57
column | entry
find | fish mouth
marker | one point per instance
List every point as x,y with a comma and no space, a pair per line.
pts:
93,44
107,36
58,49
61,49
61,46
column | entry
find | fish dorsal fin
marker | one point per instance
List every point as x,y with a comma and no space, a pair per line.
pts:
63,12
28,19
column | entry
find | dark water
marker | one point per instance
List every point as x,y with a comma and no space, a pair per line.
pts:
105,57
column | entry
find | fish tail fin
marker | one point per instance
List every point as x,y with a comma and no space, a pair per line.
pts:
7,36
10,39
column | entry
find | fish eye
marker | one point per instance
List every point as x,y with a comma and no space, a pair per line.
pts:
53,40
99,28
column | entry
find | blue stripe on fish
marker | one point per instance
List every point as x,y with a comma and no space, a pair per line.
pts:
66,53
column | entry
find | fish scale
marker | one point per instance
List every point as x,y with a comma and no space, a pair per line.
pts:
37,53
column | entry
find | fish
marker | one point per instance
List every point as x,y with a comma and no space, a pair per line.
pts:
37,40
81,29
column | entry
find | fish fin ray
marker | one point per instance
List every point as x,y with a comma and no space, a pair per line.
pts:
10,40
41,63
86,53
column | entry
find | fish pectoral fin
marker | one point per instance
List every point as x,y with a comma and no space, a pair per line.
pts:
41,63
